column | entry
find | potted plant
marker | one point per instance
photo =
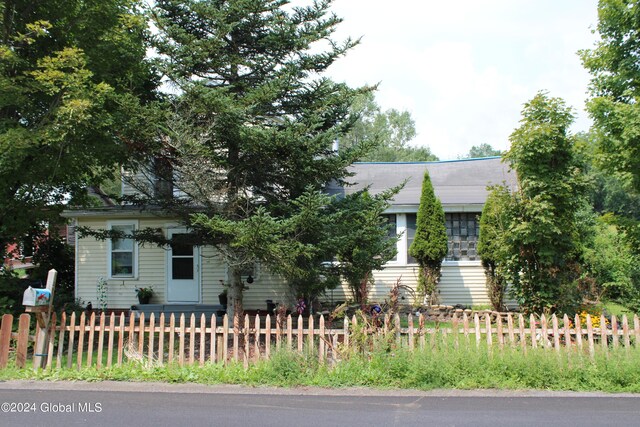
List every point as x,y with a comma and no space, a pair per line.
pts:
144,294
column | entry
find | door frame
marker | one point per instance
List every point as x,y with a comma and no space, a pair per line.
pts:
197,276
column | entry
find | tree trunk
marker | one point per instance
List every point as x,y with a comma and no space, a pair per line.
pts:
235,294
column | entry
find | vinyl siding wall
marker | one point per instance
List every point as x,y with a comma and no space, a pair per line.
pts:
461,283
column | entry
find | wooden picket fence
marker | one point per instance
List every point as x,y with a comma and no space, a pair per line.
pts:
100,340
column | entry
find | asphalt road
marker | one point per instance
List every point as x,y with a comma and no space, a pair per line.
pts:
149,404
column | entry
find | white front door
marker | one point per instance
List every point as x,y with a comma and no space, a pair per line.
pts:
183,269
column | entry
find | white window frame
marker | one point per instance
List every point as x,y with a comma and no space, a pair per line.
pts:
134,275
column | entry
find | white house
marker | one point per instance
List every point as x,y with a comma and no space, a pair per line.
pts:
192,275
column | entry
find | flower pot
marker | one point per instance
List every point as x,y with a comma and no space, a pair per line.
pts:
144,299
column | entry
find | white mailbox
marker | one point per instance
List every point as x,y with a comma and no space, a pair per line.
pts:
36,297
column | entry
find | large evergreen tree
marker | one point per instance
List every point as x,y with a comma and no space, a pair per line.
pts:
429,246
251,138
73,82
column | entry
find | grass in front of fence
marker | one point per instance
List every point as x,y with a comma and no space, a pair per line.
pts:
433,368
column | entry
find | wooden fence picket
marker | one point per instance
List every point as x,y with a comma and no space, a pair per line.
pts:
100,341
23,340
534,331
203,338
455,329
246,332
556,332
499,331
476,322
52,340
289,333
321,342
256,345
61,334
112,326
566,331
512,337
81,333
5,339
300,333
267,333
92,332
487,326
192,339
141,323
213,339
578,330
181,337
410,331
236,338
346,334
152,335
311,333
422,330
544,327
72,337
225,338
625,332
161,332
603,333
465,326
523,337
614,331
590,335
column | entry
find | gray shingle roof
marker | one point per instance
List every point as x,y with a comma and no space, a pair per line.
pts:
458,182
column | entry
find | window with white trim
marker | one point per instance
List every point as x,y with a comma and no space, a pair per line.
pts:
392,233
411,234
122,252
463,230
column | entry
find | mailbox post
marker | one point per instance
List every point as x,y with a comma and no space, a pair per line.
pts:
40,302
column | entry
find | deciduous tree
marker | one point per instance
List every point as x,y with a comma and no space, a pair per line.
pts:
73,83
615,88
543,236
493,245
388,133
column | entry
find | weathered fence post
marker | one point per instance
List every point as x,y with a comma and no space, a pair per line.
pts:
43,316
5,339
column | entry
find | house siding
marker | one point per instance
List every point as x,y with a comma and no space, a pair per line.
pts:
461,283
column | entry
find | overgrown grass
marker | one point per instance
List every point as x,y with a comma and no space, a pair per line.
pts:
448,367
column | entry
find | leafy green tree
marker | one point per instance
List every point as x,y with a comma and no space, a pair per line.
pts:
544,233
615,88
250,140
493,247
482,150
74,83
429,246
388,133
610,264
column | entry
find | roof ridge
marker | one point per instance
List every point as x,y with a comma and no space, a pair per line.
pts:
429,162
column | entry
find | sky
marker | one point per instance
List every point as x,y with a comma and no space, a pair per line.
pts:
464,68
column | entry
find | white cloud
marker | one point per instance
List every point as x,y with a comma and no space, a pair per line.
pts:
464,69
